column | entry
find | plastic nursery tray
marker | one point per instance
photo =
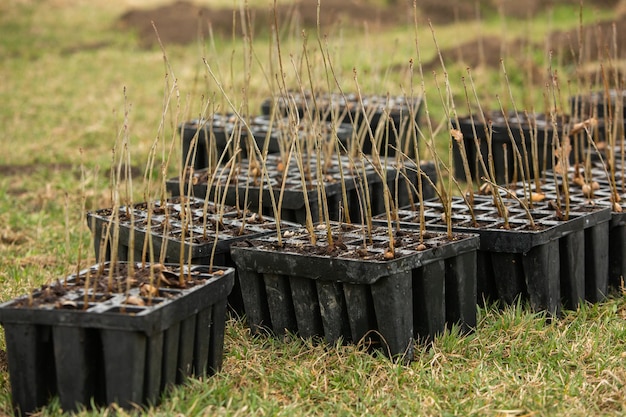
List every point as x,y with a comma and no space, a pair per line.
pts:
241,183
507,167
558,261
351,293
388,116
182,231
597,104
601,197
211,139
90,342
279,131
406,175
220,132
238,184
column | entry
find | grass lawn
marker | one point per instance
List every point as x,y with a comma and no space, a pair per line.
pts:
75,84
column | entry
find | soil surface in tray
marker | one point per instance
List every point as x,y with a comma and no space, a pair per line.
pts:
195,219
587,189
545,214
252,174
352,242
141,286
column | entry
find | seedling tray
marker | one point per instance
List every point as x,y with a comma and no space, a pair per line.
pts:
111,344
349,291
241,183
180,232
388,116
601,197
560,261
506,166
280,131
246,180
597,104
211,138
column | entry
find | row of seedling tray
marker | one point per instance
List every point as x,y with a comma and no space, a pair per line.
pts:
152,311
353,125
358,252
551,230
333,284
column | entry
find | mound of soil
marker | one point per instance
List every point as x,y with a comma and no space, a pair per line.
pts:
183,22
601,42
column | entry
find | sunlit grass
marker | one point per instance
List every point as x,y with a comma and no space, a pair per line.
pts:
515,363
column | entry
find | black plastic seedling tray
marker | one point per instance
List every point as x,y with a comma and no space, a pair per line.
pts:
350,292
600,196
82,341
597,104
211,138
181,230
280,131
219,134
388,117
507,167
560,261
239,185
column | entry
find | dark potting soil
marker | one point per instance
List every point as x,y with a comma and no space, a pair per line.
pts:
598,188
142,286
351,242
93,343
197,220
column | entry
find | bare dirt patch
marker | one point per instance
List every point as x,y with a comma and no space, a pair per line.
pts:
599,41
451,11
182,22
491,52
